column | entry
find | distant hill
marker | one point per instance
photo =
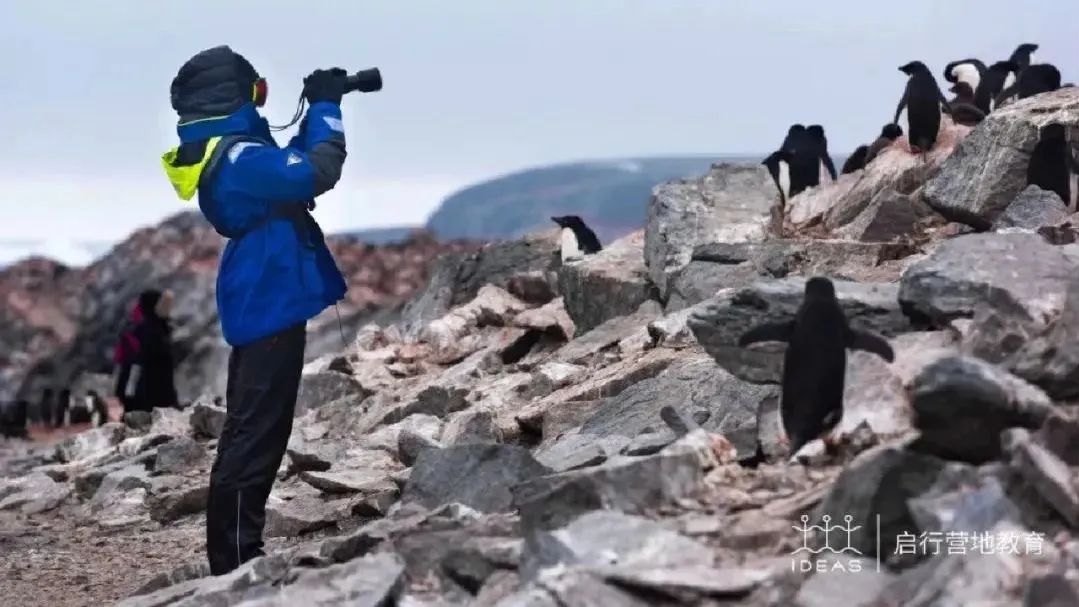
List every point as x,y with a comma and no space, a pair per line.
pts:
611,196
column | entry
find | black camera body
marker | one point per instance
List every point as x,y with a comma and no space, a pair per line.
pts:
364,81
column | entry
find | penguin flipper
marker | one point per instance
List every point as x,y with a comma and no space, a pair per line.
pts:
772,331
870,342
899,110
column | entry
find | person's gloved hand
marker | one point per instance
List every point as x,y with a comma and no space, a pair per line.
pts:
325,85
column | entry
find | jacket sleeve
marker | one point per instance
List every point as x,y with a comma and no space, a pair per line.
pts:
308,167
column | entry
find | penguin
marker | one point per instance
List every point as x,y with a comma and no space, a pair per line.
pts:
1021,56
778,164
963,109
578,239
99,410
1051,162
820,148
815,362
856,160
1034,80
999,76
888,134
969,71
802,159
923,100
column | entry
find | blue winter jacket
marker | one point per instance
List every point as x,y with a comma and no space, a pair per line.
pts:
276,270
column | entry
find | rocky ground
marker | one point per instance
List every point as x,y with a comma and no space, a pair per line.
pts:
537,434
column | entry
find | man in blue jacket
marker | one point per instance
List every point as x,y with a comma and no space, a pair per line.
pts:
276,272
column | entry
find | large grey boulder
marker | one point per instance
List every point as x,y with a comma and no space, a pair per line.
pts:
611,283
989,168
719,322
1032,209
890,216
731,203
207,420
478,476
962,404
1019,274
320,388
32,494
717,266
1051,359
91,443
178,455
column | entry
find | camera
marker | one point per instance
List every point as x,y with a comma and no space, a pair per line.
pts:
364,81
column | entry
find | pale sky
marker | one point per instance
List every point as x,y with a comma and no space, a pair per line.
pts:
473,88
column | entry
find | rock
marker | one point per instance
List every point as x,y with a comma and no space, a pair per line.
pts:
207,420
183,573
172,497
611,283
366,472
614,330
1019,274
989,168
90,443
879,482
720,322
317,389
1050,359
671,331
692,582
262,573
492,306
962,404
717,266
371,581
457,278
1060,434
712,450
551,376
297,516
551,318
437,477
316,456
166,420
388,437
1032,209
691,384
630,485
113,487
572,451
963,500
558,587
839,203
605,538
649,443
178,455
1051,590
411,444
474,426
139,421
731,203
821,590
33,494
890,216
1049,476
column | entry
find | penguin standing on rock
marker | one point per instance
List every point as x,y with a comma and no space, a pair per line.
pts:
856,160
963,108
815,134
1021,56
999,76
1051,162
970,71
1034,80
888,134
803,159
923,100
815,363
578,239
778,164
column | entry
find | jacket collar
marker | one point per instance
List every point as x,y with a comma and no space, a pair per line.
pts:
244,121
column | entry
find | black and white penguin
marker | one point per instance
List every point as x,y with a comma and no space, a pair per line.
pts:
969,71
888,134
802,158
820,148
815,362
999,76
963,109
1051,162
778,165
856,160
1021,56
923,100
578,239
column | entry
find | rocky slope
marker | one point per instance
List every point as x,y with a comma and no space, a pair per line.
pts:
531,434
58,323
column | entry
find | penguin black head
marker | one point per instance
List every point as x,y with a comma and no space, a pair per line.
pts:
1022,53
568,221
1052,132
796,129
914,67
819,288
816,130
962,90
891,131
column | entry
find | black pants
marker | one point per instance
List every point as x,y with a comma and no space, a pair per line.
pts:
264,378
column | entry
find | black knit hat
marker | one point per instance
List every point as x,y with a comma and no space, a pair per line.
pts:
215,82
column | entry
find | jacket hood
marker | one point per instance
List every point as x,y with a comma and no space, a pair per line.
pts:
215,82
